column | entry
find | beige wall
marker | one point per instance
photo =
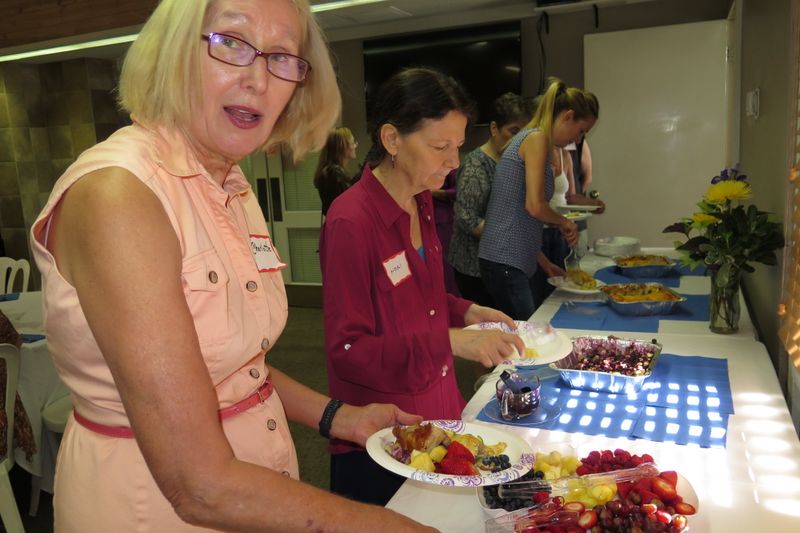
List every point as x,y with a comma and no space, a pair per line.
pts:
49,114
763,145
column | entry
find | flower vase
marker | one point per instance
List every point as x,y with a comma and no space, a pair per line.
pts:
724,301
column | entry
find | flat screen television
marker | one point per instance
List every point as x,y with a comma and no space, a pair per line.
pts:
485,59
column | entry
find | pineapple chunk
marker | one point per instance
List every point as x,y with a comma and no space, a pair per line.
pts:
438,453
422,461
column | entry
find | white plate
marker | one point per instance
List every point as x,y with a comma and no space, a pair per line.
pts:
567,208
519,454
564,284
577,216
556,349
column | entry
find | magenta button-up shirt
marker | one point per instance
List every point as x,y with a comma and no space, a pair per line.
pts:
386,311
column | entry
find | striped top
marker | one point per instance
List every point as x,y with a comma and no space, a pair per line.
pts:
511,236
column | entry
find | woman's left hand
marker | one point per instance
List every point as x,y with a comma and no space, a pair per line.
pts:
478,313
356,424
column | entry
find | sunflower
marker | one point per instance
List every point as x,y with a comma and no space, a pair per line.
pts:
703,219
725,191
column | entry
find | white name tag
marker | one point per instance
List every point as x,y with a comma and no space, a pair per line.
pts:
264,252
397,268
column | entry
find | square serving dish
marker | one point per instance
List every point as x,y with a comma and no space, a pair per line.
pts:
608,364
644,269
644,305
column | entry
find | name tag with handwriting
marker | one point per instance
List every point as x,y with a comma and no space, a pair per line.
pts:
264,252
397,268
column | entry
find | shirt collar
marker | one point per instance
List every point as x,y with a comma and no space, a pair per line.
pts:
175,155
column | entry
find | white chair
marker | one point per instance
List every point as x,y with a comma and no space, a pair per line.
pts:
9,270
8,505
54,417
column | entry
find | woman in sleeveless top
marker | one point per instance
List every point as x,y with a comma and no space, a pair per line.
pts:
163,291
510,248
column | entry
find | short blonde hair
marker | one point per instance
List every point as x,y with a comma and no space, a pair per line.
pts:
162,67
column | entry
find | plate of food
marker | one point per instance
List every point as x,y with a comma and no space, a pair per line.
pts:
577,216
543,343
582,208
451,453
579,286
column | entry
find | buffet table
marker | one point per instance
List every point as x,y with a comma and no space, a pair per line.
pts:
752,483
39,383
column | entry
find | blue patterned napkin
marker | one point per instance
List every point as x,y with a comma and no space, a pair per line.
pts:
9,297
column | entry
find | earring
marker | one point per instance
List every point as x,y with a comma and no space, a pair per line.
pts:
392,160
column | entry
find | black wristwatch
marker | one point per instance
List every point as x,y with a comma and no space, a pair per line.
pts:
327,417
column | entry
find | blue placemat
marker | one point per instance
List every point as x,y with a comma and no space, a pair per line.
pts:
31,337
599,316
690,382
704,428
9,297
687,400
684,270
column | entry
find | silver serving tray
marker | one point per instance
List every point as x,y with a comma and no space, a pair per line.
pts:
645,308
645,271
604,381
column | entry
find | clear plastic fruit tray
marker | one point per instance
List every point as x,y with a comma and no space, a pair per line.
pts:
608,349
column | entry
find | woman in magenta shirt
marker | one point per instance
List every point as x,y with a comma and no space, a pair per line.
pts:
391,330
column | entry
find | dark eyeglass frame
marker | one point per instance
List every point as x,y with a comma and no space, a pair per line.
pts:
266,55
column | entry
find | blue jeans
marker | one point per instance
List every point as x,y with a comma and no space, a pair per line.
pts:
510,288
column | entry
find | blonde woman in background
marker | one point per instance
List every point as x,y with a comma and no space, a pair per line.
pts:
510,247
330,178
163,291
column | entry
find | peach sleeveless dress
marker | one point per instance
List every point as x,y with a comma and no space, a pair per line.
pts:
233,286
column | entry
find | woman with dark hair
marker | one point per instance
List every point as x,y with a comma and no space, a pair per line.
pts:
391,330
509,114
330,178
510,247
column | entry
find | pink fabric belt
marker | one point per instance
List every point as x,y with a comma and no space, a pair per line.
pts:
122,432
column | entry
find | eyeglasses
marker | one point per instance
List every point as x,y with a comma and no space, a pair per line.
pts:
235,51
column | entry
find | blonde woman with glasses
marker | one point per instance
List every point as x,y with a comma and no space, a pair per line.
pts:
163,290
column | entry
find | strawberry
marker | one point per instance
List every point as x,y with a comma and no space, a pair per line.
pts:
663,517
670,476
583,470
644,484
457,450
647,496
663,489
587,519
456,466
685,508
577,507
623,488
647,458
540,497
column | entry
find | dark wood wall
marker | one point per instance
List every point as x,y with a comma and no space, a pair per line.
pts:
29,21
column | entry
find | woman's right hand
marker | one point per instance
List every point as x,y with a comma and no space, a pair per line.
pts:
570,231
489,347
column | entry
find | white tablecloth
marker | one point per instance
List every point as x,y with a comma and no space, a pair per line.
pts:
38,383
752,484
